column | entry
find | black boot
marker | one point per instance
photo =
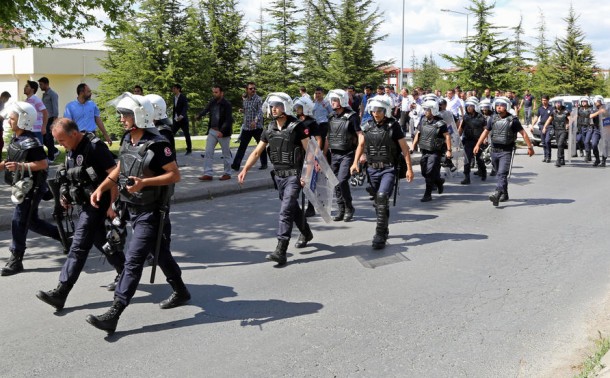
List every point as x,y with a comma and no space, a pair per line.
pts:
504,197
603,163
381,230
279,255
179,297
349,213
341,214
588,157
427,194
13,265
495,197
310,212
562,161
304,238
558,163
56,297
440,186
483,173
597,161
466,180
108,320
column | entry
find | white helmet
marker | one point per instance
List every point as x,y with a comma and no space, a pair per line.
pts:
26,112
141,108
305,103
598,98
432,105
485,104
383,102
503,101
430,97
585,99
340,94
474,102
159,106
275,99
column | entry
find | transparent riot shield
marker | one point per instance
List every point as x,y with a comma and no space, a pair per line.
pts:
572,134
320,181
604,144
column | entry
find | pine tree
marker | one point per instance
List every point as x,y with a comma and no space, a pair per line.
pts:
315,58
427,73
519,77
487,61
541,82
285,40
574,61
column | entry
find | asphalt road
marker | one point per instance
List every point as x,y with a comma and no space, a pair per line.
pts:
463,290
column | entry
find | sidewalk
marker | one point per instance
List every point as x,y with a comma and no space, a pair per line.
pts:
188,189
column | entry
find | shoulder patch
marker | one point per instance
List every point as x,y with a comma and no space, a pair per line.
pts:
167,151
306,131
79,160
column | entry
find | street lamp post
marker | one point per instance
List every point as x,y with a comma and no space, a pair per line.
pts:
463,14
402,48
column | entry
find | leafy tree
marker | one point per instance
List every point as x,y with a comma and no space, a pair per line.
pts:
519,77
575,71
355,33
427,73
487,62
315,58
542,83
40,23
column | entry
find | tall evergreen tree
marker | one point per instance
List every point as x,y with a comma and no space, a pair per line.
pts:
487,61
519,77
315,58
574,61
285,38
542,83
427,73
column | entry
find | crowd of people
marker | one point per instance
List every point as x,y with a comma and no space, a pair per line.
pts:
359,134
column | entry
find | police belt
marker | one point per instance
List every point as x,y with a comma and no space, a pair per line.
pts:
283,173
381,165
137,209
503,149
428,152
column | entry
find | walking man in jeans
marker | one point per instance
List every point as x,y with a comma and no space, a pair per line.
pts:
252,126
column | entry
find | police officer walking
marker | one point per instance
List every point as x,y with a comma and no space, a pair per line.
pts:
382,141
503,128
88,162
303,111
584,127
145,173
433,139
471,128
287,139
26,171
594,135
560,119
343,134
160,118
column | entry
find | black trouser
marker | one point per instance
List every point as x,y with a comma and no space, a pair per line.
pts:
184,126
469,151
290,212
430,164
48,139
561,136
246,137
340,164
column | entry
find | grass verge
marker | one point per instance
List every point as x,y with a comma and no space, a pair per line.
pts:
592,365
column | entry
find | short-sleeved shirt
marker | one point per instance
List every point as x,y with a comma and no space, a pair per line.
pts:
321,111
39,106
528,100
163,153
543,114
97,156
83,114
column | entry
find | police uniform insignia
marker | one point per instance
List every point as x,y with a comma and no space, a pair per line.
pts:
306,130
168,151
79,160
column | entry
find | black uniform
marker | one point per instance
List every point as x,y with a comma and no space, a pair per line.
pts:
26,148
383,156
560,121
503,134
432,145
343,138
472,128
286,153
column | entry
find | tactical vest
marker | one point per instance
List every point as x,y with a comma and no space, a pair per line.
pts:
18,152
473,126
82,179
283,151
583,117
380,148
135,161
339,137
559,120
429,138
502,132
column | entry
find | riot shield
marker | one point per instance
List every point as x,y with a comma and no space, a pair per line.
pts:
572,134
320,181
604,144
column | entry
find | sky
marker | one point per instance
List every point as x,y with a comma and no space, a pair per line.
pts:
428,30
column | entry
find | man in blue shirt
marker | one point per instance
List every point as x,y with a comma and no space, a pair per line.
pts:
85,113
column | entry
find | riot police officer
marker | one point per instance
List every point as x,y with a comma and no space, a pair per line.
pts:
343,134
88,162
560,119
433,139
594,135
26,171
584,128
145,173
503,128
303,110
382,141
162,121
471,128
287,139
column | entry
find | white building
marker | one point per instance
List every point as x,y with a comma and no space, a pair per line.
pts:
65,66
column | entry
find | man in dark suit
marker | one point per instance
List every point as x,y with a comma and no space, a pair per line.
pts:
180,116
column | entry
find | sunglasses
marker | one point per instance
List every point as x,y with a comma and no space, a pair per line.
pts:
251,89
